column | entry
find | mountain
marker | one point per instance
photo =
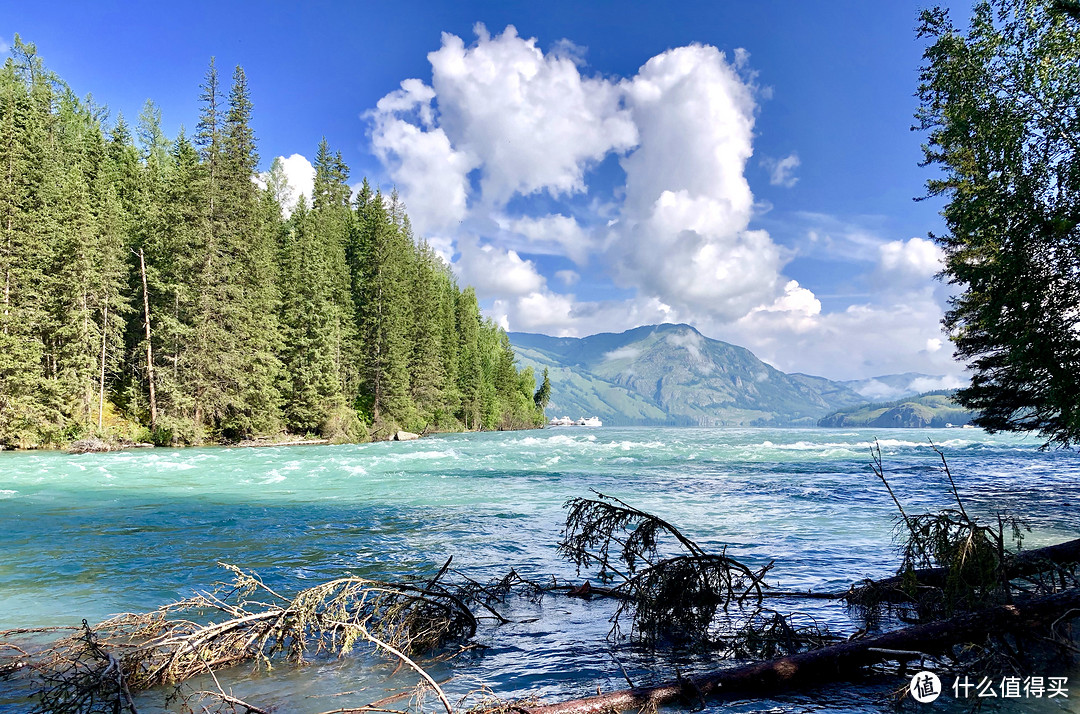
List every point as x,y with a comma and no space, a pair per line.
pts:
672,374
935,409
899,386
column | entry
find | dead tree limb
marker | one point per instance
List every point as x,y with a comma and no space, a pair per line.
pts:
1022,564
835,662
149,348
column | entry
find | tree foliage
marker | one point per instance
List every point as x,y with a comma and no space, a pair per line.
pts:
331,319
1001,108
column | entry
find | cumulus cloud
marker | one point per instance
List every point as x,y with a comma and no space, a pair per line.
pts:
683,234
862,340
299,181
496,271
531,120
568,277
782,172
557,234
496,156
431,175
564,315
916,258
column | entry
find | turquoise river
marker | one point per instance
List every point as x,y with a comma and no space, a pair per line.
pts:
92,535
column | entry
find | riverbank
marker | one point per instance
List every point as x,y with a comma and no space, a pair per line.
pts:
112,443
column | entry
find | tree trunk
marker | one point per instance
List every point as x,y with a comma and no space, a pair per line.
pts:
836,662
149,349
101,385
1026,562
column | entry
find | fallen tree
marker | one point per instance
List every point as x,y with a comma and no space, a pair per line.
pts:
831,663
98,668
1025,564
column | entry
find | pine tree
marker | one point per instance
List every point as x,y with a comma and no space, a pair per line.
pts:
333,218
157,283
25,102
469,361
311,388
254,242
427,374
543,394
383,291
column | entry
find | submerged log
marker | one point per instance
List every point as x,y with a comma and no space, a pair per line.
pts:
1024,563
835,662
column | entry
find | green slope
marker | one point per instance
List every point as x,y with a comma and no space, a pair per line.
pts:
932,409
672,374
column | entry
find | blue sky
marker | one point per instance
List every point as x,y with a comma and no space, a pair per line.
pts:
744,167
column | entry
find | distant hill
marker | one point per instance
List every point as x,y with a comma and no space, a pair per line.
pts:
899,386
933,409
672,374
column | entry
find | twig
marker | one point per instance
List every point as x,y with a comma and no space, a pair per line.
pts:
948,473
401,656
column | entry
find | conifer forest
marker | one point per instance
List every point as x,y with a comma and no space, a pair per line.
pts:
155,291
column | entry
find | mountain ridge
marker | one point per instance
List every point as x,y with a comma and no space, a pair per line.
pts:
671,374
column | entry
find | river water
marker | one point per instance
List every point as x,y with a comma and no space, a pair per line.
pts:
92,535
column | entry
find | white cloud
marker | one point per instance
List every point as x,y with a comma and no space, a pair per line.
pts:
501,120
622,353
299,179
682,236
497,271
539,311
860,341
927,384
855,239
568,277
556,234
782,172
916,258
431,175
566,316
4,46
692,342
531,120
878,391
797,309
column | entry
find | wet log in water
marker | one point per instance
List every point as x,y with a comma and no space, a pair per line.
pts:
1026,562
836,662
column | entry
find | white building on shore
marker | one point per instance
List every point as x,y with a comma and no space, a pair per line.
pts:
567,421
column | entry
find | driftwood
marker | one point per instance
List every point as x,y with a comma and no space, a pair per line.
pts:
835,662
1024,563
252,443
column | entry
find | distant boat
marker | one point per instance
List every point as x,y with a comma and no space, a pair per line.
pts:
567,421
